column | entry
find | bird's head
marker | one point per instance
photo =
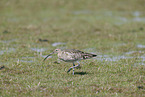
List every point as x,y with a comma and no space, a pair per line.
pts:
54,52
57,51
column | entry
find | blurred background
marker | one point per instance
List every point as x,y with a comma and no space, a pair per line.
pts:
108,26
31,29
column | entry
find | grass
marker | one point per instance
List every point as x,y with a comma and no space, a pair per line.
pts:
103,27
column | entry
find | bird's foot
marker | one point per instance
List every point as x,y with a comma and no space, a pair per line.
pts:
69,70
73,73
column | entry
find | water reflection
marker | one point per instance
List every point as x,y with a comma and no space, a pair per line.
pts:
127,55
38,49
131,52
9,50
136,13
8,41
30,61
26,59
58,43
141,46
112,58
116,17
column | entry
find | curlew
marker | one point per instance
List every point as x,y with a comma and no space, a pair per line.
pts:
71,55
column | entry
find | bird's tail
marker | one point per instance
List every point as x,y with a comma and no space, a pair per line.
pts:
87,56
94,55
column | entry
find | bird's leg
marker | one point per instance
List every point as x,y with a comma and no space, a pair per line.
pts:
69,69
78,64
72,68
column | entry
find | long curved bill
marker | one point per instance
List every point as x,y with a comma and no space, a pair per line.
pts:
48,56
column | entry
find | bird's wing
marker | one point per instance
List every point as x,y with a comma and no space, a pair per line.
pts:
77,54
73,51
74,54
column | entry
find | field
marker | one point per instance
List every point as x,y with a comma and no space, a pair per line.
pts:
112,29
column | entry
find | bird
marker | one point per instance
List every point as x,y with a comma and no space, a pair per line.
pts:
71,55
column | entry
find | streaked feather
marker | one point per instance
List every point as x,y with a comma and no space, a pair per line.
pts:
74,55
71,55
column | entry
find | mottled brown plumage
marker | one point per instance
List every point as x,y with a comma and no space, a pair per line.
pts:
72,55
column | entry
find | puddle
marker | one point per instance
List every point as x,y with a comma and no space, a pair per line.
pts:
89,50
139,19
26,59
107,13
142,57
104,55
139,64
12,19
108,58
131,52
7,41
136,13
9,50
117,58
115,17
104,58
123,20
141,46
58,43
123,57
38,49
30,59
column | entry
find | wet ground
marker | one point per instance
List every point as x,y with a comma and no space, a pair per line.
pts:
114,30
100,57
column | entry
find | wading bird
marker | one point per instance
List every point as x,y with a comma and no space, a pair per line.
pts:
71,55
